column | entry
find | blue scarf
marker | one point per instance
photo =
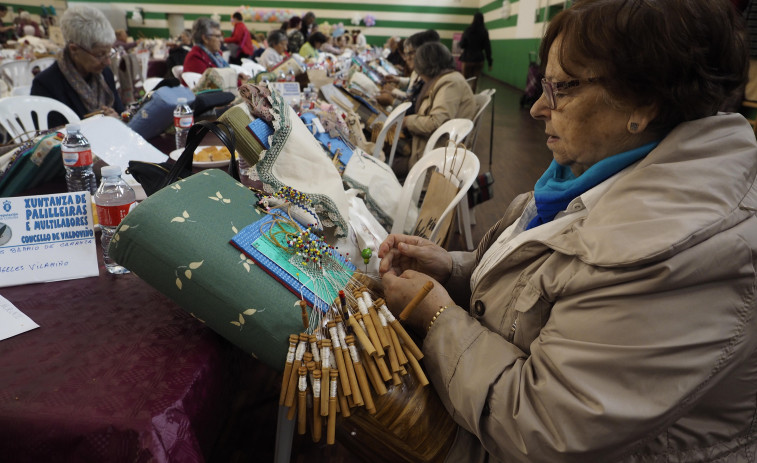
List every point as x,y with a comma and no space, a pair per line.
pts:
216,58
557,187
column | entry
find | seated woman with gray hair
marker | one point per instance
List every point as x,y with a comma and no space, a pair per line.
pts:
276,51
81,77
206,52
444,96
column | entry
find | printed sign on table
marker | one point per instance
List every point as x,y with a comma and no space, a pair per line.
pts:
46,238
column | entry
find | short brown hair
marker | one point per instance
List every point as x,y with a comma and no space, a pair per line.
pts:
686,56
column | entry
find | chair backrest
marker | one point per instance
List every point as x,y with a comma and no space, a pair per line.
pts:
394,118
237,68
483,99
456,129
177,70
22,116
22,90
16,72
41,63
150,83
251,68
437,158
191,78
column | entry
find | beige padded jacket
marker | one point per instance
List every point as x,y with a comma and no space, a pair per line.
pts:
628,336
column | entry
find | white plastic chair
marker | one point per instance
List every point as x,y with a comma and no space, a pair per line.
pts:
251,68
191,78
394,118
177,70
16,72
22,90
437,158
41,63
237,68
150,83
483,99
18,114
456,129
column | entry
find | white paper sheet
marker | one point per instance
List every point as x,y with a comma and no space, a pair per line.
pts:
13,321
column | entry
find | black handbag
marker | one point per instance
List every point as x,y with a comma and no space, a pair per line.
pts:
154,176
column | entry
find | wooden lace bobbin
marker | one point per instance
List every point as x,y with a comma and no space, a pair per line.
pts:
344,407
299,353
306,358
339,357
428,286
416,368
391,352
360,333
288,368
314,349
370,327
401,333
374,316
325,372
397,348
356,397
383,370
360,375
304,314
317,423
302,407
331,426
373,374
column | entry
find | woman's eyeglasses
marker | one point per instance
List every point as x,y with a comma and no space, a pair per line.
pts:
549,88
101,57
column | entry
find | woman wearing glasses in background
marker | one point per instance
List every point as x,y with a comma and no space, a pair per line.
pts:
206,52
81,77
612,315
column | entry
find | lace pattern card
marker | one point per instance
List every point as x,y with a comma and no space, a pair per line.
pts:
318,285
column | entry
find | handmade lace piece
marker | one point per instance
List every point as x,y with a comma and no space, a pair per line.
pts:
296,159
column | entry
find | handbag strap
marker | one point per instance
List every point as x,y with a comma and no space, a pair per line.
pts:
196,133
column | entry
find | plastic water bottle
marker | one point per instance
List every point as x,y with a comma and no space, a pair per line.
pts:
183,120
113,200
77,159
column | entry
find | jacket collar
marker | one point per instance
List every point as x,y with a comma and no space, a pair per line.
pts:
699,181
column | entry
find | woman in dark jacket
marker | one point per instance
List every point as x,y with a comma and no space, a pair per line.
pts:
81,77
475,44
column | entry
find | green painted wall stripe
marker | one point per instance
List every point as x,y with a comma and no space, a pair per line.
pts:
306,5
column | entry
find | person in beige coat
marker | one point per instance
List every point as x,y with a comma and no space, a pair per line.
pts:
610,315
444,96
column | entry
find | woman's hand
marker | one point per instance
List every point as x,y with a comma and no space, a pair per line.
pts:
389,78
399,290
108,111
399,253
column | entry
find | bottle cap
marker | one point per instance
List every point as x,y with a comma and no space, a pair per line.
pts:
73,127
110,171
181,100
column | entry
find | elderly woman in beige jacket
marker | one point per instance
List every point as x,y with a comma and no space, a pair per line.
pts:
444,96
610,316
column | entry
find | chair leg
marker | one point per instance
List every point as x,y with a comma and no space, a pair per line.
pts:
284,436
464,222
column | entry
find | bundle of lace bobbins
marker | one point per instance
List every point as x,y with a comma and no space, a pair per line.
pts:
355,350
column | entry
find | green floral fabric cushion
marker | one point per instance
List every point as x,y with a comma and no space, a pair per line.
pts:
177,240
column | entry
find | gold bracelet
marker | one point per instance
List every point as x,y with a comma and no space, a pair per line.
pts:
436,315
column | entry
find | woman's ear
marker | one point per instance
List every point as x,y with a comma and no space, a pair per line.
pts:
640,118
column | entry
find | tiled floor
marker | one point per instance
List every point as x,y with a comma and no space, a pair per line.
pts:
519,158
